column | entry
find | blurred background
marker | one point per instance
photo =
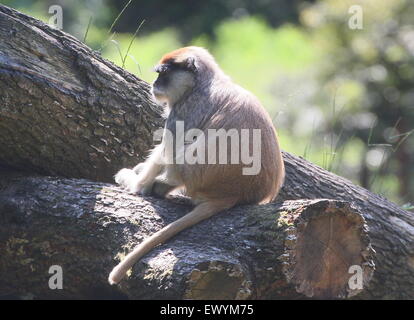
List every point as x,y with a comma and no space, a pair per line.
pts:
337,81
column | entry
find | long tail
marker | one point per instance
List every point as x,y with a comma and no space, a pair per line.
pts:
203,211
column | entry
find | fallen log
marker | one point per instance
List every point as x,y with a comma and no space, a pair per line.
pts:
293,249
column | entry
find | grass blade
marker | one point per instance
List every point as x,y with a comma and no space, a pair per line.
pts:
119,15
87,29
132,40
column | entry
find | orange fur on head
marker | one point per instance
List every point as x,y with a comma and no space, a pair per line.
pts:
175,56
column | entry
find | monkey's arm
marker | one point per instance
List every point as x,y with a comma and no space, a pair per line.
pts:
141,178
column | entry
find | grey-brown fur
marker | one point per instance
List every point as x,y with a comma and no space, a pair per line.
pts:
196,91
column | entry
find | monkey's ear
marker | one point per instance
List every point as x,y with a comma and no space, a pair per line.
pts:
191,64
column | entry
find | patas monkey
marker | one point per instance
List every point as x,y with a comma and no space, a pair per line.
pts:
195,91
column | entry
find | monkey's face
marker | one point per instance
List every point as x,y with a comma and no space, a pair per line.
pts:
173,82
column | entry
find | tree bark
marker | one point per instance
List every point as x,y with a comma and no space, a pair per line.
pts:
65,111
292,249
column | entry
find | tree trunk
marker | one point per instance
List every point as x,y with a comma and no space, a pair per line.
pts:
65,111
80,115
285,250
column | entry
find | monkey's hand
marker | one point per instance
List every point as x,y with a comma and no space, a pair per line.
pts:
133,182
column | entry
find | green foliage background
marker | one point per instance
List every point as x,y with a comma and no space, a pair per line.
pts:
342,98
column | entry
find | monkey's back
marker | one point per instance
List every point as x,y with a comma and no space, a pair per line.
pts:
236,110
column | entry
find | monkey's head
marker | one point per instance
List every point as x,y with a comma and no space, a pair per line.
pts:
179,72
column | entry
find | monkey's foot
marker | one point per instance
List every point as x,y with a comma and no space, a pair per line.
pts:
132,183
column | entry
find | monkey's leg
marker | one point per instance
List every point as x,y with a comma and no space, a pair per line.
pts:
166,182
203,211
162,185
160,188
